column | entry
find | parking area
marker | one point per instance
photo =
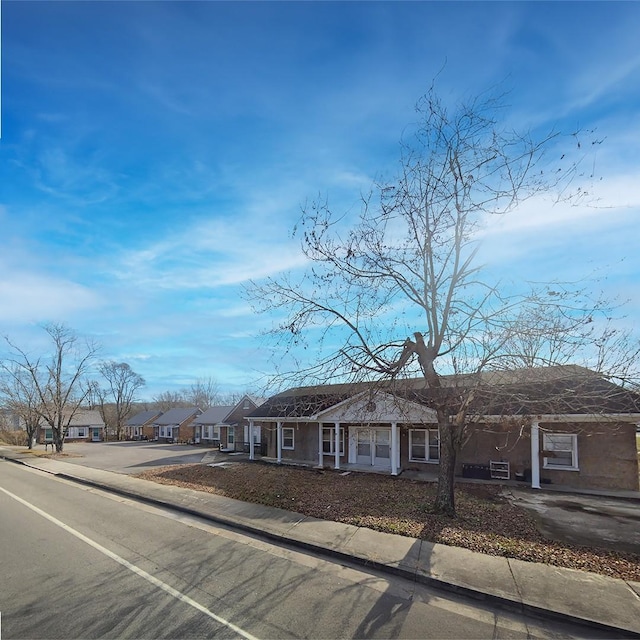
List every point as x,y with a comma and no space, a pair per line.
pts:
600,521
133,457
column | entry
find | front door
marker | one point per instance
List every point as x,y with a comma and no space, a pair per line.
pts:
381,448
373,447
95,434
363,444
231,438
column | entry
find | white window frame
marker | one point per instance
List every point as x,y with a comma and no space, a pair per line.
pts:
166,432
331,441
427,446
82,432
285,437
215,434
548,445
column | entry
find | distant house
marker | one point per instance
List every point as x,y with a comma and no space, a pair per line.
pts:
209,425
176,425
140,426
226,425
86,425
563,425
10,420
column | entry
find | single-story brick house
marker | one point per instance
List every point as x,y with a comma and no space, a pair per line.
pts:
564,425
86,425
140,426
176,425
226,425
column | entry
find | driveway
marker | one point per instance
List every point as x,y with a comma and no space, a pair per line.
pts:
134,457
582,519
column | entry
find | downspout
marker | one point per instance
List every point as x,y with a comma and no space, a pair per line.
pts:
279,440
320,453
394,446
337,445
535,455
252,451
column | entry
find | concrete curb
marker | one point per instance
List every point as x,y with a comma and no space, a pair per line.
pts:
501,602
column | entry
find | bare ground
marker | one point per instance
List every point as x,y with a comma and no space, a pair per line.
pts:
486,522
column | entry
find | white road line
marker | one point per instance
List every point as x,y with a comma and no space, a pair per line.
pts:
132,567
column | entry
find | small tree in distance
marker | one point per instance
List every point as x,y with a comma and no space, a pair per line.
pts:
122,386
401,292
203,393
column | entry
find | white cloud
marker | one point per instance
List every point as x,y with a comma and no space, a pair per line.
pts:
31,297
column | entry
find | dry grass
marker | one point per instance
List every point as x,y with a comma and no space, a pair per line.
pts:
486,522
13,437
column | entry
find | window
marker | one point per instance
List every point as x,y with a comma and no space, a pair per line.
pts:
82,432
216,433
287,438
165,432
329,440
246,405
231,435
424,445
564,447
48,435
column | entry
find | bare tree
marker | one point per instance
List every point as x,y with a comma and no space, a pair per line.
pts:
57,379
122,385
169,399
20,396
401,292
203,393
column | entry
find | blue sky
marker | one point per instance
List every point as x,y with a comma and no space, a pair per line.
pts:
155,155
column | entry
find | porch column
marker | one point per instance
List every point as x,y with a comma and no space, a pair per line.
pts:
252,451
320,454
279,440
337,445
394,446
535,455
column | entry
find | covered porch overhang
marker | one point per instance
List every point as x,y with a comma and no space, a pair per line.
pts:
373,424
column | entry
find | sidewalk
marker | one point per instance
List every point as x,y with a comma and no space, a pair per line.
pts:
608,604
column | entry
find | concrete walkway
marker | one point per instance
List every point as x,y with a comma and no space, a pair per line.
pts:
608,604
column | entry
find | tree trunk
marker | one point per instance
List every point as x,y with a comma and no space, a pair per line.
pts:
445,501
58,440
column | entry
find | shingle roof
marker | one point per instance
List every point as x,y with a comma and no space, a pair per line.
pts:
143,417
214,415
544,391
82,418
176,416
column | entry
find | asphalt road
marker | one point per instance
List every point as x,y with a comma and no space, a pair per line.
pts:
76,562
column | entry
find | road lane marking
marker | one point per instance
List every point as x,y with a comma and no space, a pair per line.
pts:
132,567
